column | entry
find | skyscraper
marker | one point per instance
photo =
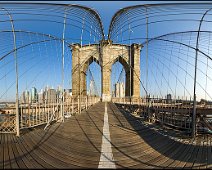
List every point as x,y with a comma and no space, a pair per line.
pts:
169,98
34,95
41,96
25,97
92,88
50,96
119,90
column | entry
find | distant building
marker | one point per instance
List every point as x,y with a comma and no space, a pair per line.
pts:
47,88
41,96
205,102
113,93
22,98
92,88
50,96
25,97
119,90
59,89
168,98
68,91
33,95
67,94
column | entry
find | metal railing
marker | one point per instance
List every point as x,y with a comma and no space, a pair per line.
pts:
173,113
45,112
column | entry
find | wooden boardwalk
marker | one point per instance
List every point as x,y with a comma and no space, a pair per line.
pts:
77,142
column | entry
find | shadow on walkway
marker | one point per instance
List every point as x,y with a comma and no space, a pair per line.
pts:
197,155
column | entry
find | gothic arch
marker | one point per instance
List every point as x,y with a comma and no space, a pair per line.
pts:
85,66
125,64
106,54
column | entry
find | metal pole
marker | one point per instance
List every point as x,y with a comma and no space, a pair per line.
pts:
63,51
195,78
16,72
147,63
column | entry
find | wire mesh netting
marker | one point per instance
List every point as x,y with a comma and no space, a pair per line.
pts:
175,61
36,60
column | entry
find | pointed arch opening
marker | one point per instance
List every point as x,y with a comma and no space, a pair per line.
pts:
92,70
120,76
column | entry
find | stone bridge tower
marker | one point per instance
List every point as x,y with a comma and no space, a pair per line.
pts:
106,54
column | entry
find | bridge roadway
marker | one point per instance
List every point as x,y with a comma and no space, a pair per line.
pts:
77,143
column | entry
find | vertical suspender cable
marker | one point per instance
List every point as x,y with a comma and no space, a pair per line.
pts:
206,77
146,51
147,62
122,55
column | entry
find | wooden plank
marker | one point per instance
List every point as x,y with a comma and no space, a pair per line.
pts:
181,155
46,154
19,161
6,153
33,152
146,161
32,163
73,158
13,162
209,152
183,151
201,159
1,152
25,155
164,152
171,154
191,157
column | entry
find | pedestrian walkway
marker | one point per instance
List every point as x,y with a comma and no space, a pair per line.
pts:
106,159
101,135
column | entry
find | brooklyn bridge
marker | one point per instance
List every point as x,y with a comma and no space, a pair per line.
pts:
75,93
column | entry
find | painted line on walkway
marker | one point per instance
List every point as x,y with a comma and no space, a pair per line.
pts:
106,158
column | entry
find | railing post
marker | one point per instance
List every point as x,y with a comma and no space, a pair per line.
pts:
16,72
195,76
